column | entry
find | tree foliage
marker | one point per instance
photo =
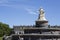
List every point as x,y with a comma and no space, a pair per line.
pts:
4,29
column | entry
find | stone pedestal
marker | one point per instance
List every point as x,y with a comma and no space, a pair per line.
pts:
41,23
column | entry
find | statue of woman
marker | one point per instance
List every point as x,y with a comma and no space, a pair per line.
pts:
41,14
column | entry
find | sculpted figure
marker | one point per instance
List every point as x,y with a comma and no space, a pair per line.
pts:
41,15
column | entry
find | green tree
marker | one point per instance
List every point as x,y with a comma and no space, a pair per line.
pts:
4,29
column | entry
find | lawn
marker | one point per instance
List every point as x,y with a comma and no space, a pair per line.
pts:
0,38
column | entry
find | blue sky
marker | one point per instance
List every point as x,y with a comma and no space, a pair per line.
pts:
25,12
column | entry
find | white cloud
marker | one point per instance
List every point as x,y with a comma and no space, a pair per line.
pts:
31,11
3,1
13,4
